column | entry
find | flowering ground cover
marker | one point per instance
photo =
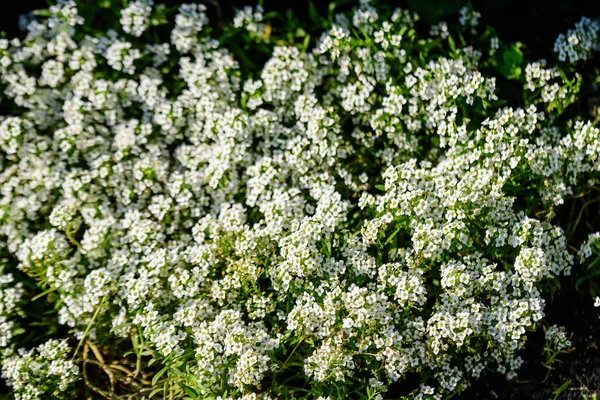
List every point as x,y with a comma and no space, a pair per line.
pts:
356,206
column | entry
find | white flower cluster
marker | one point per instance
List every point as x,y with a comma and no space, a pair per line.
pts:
539,77
557,338
586,249
135,18
11,295
457,207
350,213
578,43
440,29
189,22
469,17
249,18
41,372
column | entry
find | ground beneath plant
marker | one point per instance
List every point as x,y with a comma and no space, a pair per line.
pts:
577,374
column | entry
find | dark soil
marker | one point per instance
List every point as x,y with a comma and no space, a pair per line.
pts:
578,373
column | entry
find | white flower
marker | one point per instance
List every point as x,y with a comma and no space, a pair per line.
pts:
135,18
578,43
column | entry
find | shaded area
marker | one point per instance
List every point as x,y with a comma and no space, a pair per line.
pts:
574,375
534,22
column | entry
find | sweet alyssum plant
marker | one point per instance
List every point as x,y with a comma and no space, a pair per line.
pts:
363,209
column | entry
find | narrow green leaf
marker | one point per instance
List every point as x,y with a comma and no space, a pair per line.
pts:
305,43
45,292
451,44
393,235
561,389
313,14
188,390
562,73
158,375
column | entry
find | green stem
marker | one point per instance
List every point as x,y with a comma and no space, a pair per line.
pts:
69,234
293,351
89,326
45,292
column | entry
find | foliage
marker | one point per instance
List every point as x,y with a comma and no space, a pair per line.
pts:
272,208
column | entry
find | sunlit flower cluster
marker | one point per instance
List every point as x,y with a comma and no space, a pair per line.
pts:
347,213
43,372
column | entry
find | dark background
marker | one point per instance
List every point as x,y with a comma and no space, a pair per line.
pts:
533,22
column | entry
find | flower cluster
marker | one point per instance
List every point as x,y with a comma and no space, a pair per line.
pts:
586,249
41,372
577,44
11,295
557,337
135,18
250,19
351,215
539,77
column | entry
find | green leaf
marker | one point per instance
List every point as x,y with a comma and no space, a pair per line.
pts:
188,390
305,43
155,391
393,235
45,292
116,327
561,389
19,331
562,73
158,375
135,342
393,249
498,103
42,13
314,15
451,44
594,263
509,59
270,15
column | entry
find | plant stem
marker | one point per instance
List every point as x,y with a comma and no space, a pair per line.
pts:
89,326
